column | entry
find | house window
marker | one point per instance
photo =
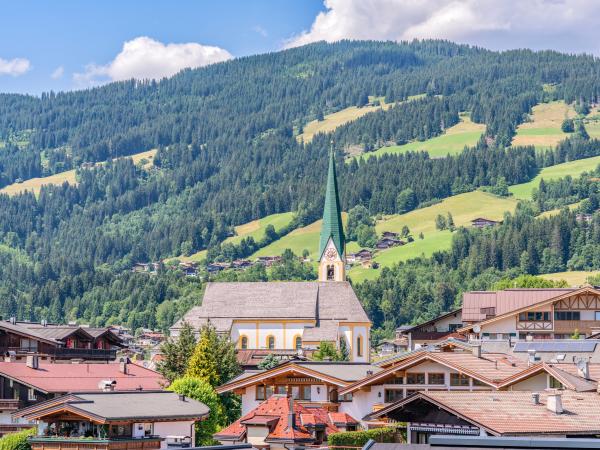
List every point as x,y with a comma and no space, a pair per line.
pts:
555,384
244,342
393,395
297,342
436,378
264,392
454,326
281,390
478,383
415,378
534,316
345,398
597,315
458,379
271,342
567,315
31,395
359,346
304,392
330,273
411,392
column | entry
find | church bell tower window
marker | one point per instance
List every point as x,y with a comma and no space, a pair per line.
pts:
330,273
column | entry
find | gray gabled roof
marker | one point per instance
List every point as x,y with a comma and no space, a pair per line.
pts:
111,406
311,301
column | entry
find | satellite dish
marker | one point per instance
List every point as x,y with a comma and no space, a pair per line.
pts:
476,328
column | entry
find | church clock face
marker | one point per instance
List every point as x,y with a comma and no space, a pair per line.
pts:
331,254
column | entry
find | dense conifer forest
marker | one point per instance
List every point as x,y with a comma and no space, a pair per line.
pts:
228,154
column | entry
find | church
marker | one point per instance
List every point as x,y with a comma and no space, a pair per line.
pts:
293,316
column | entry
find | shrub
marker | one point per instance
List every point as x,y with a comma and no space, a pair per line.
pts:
17,441
360,438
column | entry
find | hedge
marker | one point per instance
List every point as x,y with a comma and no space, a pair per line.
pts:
17,441
360,438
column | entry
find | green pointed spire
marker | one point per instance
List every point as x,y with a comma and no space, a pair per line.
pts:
332,218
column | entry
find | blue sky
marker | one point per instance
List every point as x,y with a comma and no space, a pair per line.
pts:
71,44
72,34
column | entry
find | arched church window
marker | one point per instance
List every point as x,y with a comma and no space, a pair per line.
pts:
244,342
271,342
297,342
330,273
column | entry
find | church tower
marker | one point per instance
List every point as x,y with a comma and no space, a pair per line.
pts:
332,247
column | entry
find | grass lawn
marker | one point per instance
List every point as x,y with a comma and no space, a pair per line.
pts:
256,229
35,184
453,141
336,119
302,238
544,130
463,207
575,278
572,168
592,122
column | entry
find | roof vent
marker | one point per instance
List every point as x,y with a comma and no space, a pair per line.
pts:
107,385
13,320
44,323
369,373
535,398
554,403
476,349
182,397
33,361
583,368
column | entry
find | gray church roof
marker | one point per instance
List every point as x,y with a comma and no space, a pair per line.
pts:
319,301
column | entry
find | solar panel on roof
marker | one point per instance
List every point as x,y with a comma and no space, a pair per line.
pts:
574,346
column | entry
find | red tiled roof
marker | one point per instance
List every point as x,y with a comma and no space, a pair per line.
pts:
504,301
62,378
513,412
274,413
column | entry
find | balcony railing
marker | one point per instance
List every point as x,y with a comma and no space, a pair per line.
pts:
93,443
569,326
65,353
10,404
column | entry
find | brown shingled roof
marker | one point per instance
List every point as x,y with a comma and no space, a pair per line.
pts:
512,413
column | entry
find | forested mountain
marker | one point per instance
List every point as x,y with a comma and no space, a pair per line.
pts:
228,154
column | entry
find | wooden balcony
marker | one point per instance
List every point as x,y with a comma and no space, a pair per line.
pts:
57,443
569,326
10,404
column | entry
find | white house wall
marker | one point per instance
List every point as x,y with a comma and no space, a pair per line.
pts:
249,401
182,428
283,332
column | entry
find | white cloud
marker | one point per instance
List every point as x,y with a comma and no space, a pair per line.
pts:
14,67
567,25
146,58
57,73
260,30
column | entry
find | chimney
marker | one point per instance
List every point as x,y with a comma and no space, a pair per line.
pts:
554,403
535,398
583,369
181,397
13,320
369,373
33,361
123,367
107,385
291,415
476,349
10,356
532,357
44,323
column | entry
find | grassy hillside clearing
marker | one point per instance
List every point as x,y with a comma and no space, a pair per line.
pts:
463,207
336,119
453,141
298,240
256,229
576,278
572,168
592,122
544,129
35,184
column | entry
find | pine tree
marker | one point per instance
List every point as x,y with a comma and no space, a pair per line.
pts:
204,363
177,353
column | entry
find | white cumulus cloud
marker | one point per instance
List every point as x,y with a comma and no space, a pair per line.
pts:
567,25
57,73
14,67
146,58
